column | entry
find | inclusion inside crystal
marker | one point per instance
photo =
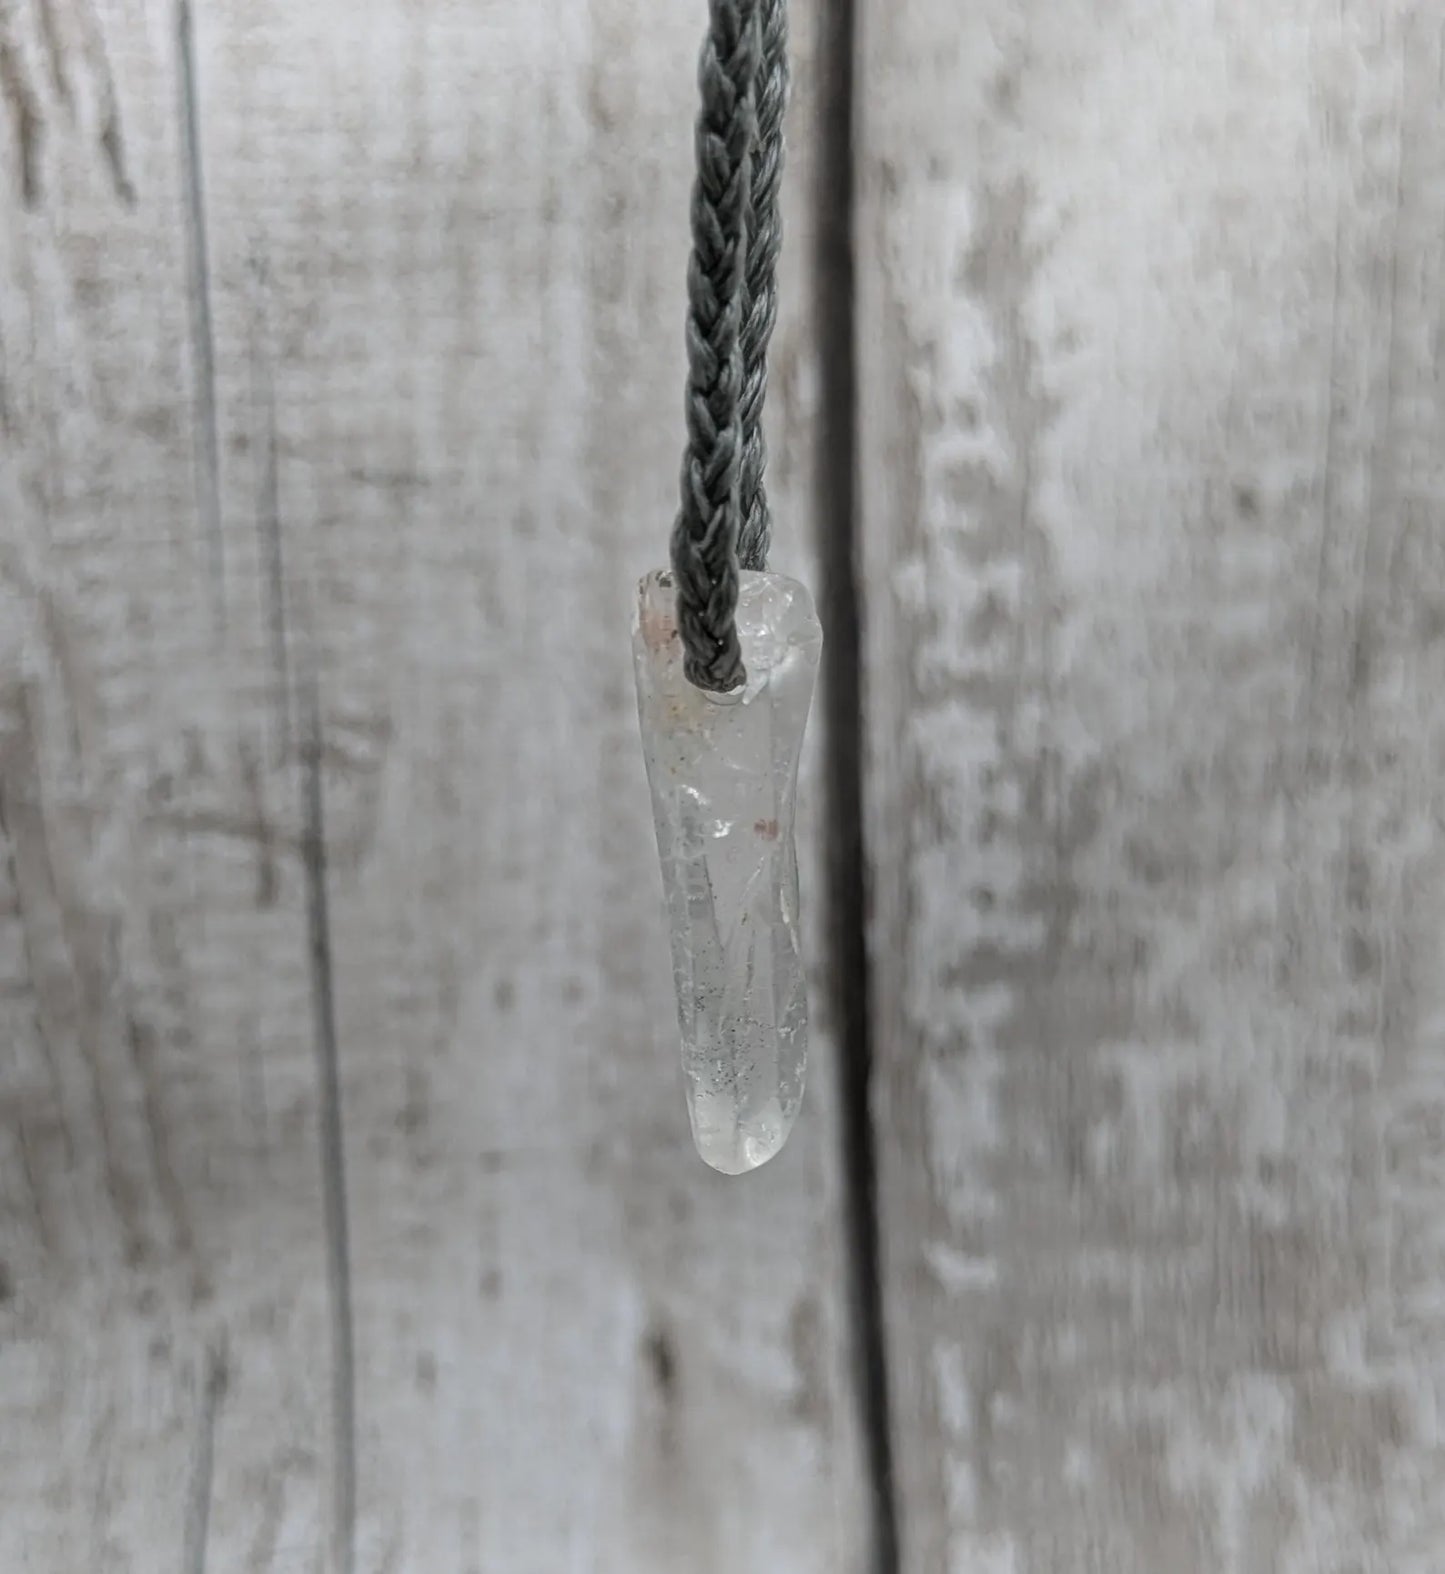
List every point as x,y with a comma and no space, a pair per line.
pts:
723,771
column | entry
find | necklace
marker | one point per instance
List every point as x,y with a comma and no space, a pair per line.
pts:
726,654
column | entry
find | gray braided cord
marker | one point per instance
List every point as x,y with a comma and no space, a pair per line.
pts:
731,310
760,285
704,540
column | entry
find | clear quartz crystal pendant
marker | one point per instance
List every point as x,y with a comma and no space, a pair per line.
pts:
723,770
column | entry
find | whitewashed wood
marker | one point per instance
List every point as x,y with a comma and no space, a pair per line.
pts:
344,344
1152,326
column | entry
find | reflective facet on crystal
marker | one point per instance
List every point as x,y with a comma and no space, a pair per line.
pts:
723,771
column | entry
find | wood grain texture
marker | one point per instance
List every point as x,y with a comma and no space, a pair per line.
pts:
348,1216
1152,327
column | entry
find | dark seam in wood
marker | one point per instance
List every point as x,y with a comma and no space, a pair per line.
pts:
140,1041
28,953
118,1186
263,835
112,138
15,89
54,51
123,1192
838,503
333,1155
268,523
112,145
203,342
198,1504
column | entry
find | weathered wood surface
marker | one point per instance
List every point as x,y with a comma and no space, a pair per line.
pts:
339,407
340,393
1152,324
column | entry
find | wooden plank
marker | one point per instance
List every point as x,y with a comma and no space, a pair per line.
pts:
350,1219
1152,327
105,1177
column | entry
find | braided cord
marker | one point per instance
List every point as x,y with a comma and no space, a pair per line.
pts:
732,306
760,284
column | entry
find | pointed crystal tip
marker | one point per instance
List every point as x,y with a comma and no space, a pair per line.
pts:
723,770
733,1146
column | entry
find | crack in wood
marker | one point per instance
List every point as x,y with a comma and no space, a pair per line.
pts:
262,833
112,145
76,974
112,138
25,116
203,340
333,1157
140,1039
203,1461
54,51
29,989
835,482
25,104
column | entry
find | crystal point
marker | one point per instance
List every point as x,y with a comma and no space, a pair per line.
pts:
723,771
